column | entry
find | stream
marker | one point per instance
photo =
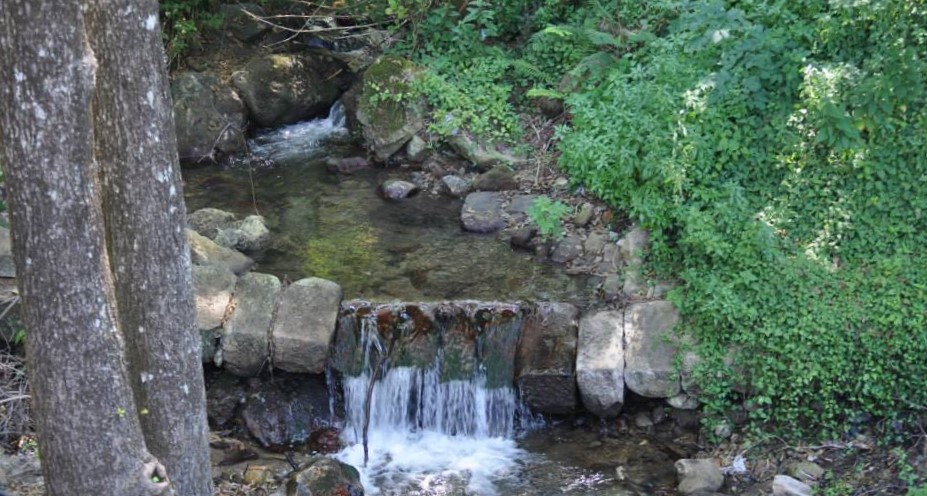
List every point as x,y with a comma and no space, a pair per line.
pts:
427,436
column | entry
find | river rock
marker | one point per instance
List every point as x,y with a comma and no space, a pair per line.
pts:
483,156
224,393
7,267
305,325
387,124
253,234
282,88
209,221
600,362
204,251
482,212
806,472
245,343
650,368
518,207
324,476
783,485
346,165
496,179
584,216
523,237
208,116
397,189
244,27
544,362
455,186
212,288
567,249
416,149
284,410
698,476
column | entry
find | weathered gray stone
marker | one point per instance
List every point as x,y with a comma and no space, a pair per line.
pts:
455,186
346,165
282,89
635,244
698,476
482,212
611,287
305,325
282,411
595,244
683,401
544,363
522,237
397,189
416,149
245,339
209,221
7,267
650,368
208,116
253,234
783,485
600,363
204,251
518,207
212,287
496,179
567,249
584,216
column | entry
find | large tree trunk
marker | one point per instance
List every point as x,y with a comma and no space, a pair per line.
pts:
136,148
71,117
81,394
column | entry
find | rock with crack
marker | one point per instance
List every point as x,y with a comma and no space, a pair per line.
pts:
305,325
600,362
245,340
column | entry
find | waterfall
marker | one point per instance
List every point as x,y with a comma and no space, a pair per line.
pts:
432,410
300,141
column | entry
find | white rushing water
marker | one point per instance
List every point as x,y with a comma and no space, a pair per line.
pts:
427,436
302,140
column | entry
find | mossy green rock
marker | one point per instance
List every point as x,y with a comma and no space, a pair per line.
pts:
388,111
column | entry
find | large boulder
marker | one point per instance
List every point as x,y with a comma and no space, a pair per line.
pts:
204,251
305,325
212,288
384,108
482,212
544,362
245,339
650,359
324,477
208,116
600,362
282,89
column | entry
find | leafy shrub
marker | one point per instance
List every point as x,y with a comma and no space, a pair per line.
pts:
182,22
776,151
548,216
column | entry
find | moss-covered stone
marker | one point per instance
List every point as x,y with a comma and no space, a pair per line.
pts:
388,110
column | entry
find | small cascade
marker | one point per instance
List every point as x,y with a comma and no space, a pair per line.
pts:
300,141
442,401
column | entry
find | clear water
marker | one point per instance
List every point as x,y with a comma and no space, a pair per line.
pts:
337,227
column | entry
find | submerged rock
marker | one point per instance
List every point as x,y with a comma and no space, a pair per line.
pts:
396,189
346,165
482,212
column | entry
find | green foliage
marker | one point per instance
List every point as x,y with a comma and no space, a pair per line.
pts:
182,22
777,152
548,216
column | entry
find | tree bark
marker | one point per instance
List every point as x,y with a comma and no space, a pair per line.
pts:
136,148
88,147
81,394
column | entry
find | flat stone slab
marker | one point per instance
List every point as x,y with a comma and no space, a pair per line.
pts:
482,212
305,325
650,368
600,362
245,339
